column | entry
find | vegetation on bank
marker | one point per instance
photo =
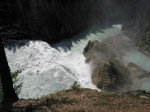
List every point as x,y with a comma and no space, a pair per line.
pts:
16,87
75,87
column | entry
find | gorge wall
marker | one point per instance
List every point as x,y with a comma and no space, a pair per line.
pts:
53,20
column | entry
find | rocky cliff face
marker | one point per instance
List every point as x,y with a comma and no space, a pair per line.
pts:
111,71
139,29
140,34
49,20
53,20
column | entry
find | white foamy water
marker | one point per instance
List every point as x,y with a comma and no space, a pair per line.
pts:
47,69
118,26
52,68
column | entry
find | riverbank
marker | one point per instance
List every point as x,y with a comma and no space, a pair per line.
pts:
84,100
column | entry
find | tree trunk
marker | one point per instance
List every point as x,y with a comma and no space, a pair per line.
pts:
7,84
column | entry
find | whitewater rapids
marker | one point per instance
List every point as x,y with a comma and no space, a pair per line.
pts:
52,68
47,70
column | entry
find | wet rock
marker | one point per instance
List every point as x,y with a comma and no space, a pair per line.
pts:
109,73
139,93
105,76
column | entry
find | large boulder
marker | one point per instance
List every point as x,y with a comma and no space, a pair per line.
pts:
106,77
109,73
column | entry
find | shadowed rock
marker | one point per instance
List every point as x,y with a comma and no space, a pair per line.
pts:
109,73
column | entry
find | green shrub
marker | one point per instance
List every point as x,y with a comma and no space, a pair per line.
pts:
16,87
76,87
14,78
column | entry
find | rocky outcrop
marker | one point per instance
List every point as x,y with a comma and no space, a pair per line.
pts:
109,73
139,29
106,77
140,34
139,93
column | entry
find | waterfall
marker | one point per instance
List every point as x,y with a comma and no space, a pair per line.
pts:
47,70
52,68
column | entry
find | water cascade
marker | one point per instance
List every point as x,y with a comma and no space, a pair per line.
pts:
51,68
